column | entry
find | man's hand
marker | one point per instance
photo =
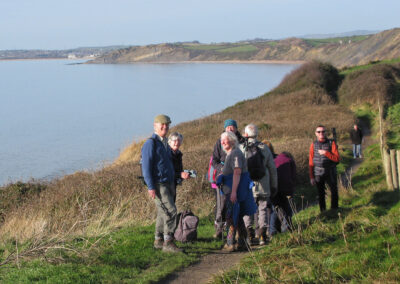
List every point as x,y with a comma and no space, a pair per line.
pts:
312,181
233,197
322,152
185,175
152,193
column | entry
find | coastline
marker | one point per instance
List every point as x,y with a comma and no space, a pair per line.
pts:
209,62
90,61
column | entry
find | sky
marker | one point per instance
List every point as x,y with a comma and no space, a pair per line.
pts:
60,24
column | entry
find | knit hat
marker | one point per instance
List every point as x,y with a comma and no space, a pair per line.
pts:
162,118
230,122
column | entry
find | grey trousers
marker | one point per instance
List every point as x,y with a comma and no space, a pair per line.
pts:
261,217
166,210
220,210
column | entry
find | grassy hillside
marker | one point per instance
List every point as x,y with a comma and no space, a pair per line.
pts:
358,243
342,51
90,222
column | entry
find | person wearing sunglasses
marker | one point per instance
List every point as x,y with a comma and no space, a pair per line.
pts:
323,158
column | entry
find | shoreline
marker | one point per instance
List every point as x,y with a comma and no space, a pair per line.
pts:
89,61
209,62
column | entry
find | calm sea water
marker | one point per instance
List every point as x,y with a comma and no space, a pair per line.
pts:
57,118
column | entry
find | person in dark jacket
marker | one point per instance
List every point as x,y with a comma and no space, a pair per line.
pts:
218,160
356,136
175,141
158,173
323,157
281,217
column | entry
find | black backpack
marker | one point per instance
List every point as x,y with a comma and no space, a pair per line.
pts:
255,161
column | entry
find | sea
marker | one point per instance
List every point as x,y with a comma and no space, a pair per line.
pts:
62,116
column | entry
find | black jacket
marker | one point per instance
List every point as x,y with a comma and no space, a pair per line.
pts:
356,136
178,165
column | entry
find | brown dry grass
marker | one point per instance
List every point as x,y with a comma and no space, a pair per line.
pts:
370,85
97,203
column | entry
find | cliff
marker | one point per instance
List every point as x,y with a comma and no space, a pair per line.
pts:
340,52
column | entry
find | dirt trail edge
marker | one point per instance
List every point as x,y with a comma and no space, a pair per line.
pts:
219,261
206,268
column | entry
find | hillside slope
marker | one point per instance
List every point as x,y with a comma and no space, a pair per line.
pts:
86,227
340,51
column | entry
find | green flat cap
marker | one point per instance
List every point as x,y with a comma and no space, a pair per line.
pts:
162,118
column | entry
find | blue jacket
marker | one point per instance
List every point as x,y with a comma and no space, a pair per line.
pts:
245,204
157,164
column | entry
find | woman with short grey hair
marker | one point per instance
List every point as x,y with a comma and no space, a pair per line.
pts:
231,138
175,136
175,140
237,192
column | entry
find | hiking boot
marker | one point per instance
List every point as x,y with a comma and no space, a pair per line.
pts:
229,248
241,245
264,238
170,246
250,236
158,244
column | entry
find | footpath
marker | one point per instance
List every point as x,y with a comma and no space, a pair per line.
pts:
220,261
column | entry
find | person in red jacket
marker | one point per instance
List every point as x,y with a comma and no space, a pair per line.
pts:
323,158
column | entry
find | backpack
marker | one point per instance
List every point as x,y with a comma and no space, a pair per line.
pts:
186,230
211,175
141,177
255,161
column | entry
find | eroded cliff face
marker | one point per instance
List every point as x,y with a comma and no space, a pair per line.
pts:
384,45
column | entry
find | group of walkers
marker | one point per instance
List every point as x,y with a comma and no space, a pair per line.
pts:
249,198
253,186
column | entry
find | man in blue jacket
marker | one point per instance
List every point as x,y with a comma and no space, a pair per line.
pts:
158,173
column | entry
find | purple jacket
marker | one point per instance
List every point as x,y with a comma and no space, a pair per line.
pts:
286,169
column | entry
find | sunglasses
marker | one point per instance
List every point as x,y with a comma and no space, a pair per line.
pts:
322,131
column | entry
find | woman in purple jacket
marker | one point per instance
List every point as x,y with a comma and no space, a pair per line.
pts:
281,217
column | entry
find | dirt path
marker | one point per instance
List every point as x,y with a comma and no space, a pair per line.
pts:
219,261
203,271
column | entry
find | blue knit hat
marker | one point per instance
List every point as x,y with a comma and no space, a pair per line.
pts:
230,122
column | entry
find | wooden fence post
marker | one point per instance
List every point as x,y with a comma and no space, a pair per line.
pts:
388,170
398,165
394,168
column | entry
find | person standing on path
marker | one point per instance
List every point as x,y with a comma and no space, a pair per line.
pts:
323,157
265,185
218,160
175,141
158,173
356,136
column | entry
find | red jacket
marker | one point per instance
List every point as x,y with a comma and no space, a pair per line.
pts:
333,155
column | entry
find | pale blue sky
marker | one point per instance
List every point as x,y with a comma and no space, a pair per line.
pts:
52,24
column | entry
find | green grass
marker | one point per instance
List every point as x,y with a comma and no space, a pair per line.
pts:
238,49
205,47
348,70
358,243
224,48
394,121
125,256
345,40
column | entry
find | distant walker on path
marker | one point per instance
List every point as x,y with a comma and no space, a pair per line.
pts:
356,136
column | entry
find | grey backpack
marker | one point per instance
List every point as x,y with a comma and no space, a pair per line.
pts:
186,230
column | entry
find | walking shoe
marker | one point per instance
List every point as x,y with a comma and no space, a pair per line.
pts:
158,244
170,246
264,238
218,235
229,248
